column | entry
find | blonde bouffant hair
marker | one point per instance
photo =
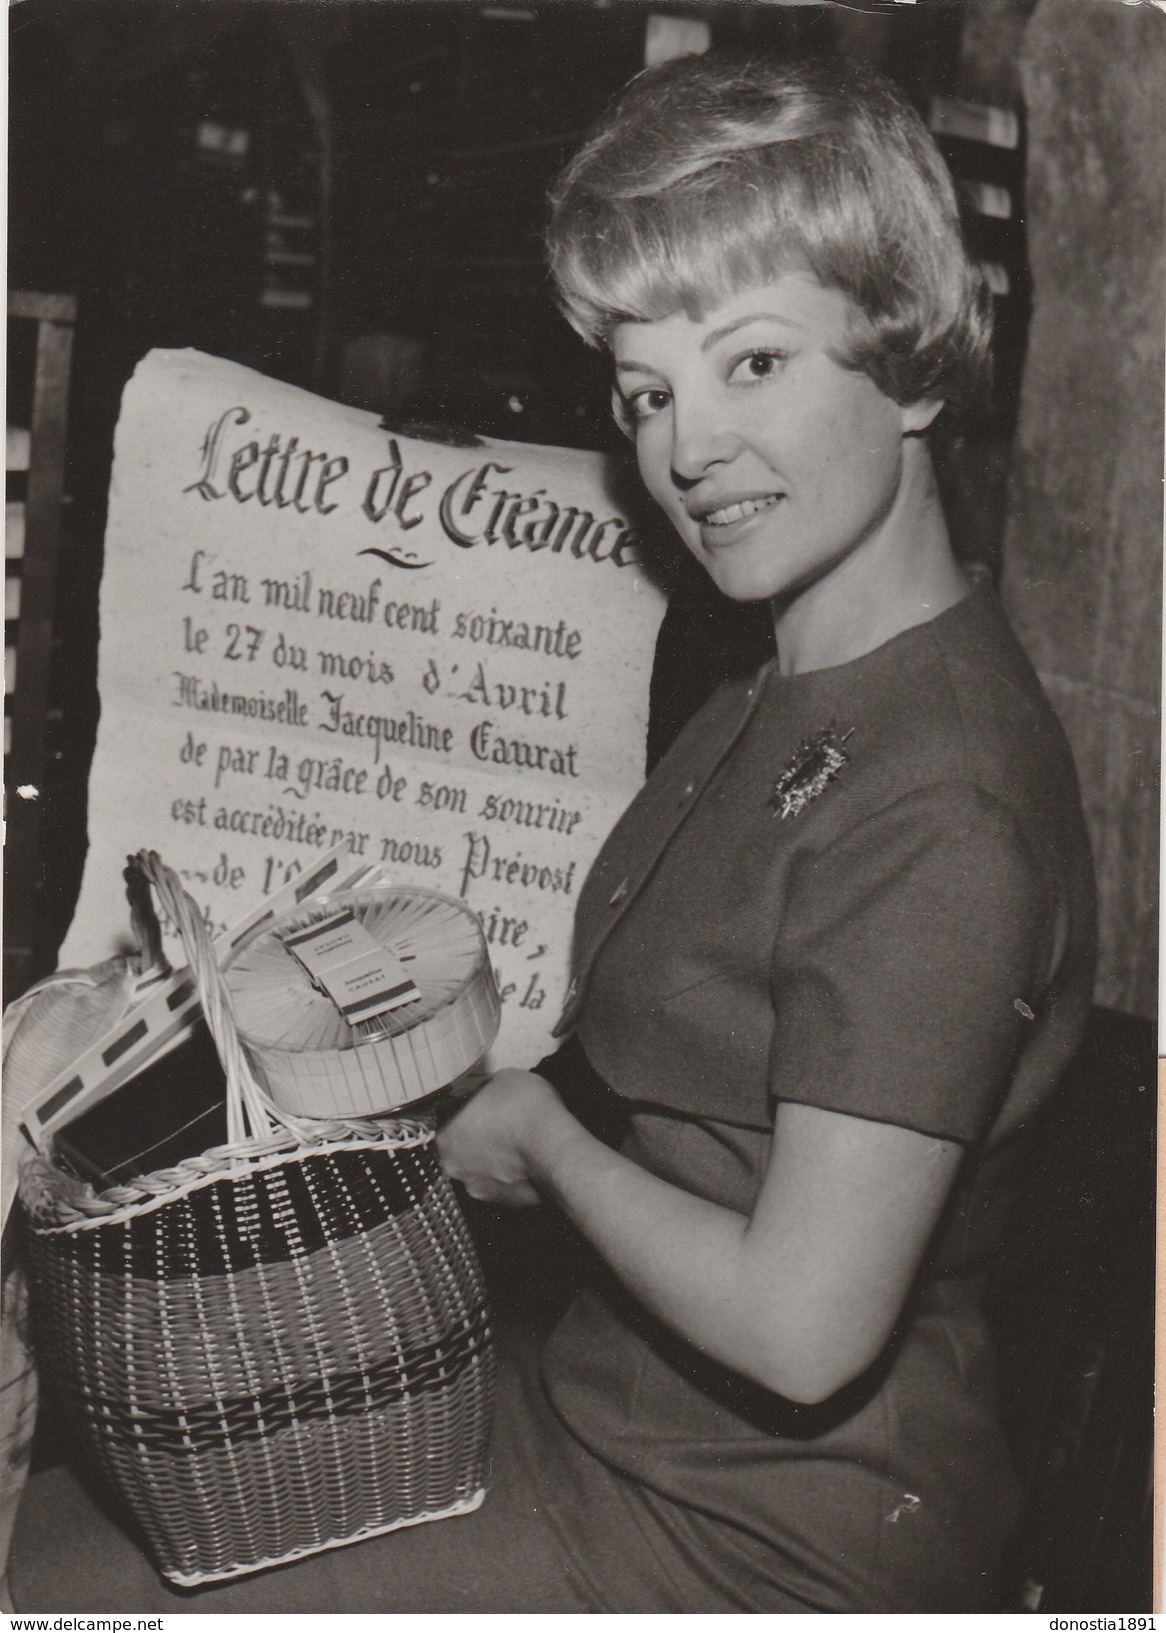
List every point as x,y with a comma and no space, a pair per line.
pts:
708,176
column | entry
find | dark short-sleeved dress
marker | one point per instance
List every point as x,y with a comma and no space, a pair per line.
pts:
912,943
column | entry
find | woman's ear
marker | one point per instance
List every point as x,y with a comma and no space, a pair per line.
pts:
919,417
619,413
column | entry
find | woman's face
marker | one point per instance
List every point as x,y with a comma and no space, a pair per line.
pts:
775,463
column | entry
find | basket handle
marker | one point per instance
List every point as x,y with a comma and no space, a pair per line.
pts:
144,925
251,1114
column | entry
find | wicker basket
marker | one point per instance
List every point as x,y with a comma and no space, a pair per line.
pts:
279,1347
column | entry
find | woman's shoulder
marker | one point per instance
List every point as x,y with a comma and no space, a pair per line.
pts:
950,704
957,700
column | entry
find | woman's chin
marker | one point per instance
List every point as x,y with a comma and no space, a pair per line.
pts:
743,586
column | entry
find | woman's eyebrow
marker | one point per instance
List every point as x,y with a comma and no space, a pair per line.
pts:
629,365
739,323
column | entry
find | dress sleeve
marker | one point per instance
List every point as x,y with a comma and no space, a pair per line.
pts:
907,967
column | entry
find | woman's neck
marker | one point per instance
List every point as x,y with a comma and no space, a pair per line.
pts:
902,575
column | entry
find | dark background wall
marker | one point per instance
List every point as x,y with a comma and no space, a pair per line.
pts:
1083,546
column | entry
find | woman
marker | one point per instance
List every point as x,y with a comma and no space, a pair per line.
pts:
840,948
832,958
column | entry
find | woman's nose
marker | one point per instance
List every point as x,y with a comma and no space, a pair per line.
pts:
700,439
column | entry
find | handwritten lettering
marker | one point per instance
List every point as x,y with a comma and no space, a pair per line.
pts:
355,666
501,930
548,700
230,587
411,853
517,751
442,797
285,655
405,615
284,711
555,640
293,595
381,495
211,443
277,455
333,776
410,730
191,583
524,813
545,525
481,861
273,822
237,761
360,609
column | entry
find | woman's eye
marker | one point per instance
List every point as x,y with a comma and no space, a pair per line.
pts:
643,404
757,366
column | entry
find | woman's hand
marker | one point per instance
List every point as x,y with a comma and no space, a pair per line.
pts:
500,1140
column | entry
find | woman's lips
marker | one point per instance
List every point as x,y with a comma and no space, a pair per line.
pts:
735,520
738,510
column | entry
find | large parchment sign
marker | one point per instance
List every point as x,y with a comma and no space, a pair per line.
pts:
313,628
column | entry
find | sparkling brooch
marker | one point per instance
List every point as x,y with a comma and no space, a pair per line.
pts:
816,763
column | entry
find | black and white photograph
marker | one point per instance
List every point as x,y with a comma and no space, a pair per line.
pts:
583,657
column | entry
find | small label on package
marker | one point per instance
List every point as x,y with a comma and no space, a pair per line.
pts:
362,978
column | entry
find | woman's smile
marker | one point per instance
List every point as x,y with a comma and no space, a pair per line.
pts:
734,510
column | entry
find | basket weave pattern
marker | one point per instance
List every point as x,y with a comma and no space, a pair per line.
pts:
277,1349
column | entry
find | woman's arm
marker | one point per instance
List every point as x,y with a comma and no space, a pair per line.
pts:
801,1297
903,979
